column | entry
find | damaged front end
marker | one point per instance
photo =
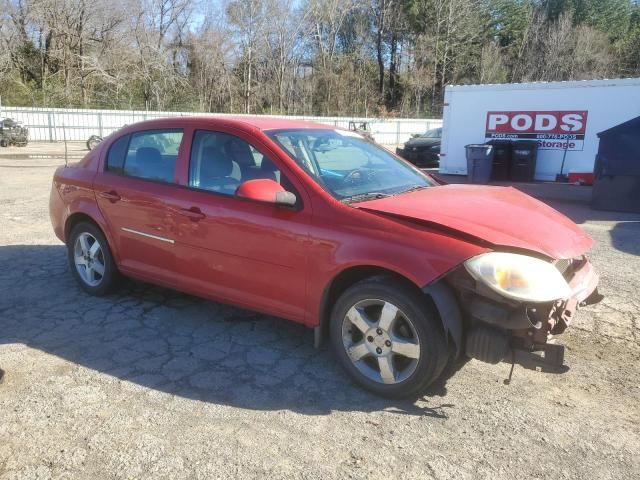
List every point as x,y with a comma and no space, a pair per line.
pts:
500,327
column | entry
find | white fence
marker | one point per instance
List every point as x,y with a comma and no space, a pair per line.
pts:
53,124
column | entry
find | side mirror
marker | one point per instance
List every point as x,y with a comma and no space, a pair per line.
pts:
266,190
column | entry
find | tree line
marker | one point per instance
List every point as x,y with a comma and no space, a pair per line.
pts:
309,57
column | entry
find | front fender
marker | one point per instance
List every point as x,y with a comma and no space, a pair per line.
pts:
421,260
448,309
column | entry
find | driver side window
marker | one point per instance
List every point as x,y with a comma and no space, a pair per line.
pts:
221,162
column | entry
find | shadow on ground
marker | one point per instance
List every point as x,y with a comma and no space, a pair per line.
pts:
176,343
625,234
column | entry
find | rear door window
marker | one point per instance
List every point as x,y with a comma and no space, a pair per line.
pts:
153,155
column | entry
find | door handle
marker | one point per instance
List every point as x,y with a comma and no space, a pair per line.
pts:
112,196
192,213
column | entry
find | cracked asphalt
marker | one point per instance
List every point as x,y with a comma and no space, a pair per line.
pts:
150,382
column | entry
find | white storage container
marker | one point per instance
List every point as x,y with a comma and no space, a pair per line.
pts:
563,117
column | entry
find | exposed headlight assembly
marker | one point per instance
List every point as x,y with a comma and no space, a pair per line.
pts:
519,277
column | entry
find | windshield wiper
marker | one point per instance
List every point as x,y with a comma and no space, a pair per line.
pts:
412,189
361,197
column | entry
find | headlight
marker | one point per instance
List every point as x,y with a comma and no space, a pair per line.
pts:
435,148
519,277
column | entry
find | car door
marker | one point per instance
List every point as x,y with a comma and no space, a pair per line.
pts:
249,253
136,193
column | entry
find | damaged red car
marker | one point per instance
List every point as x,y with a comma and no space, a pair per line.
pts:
320,226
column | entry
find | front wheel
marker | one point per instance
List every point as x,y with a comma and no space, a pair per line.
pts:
388,338
90,259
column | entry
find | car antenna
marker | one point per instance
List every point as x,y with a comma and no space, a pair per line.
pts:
64,138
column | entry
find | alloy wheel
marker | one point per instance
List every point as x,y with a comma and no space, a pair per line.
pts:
89,259
381,341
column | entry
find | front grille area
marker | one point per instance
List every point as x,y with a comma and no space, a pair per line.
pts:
563,265
567,266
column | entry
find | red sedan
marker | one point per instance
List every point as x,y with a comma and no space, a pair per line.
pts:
322,227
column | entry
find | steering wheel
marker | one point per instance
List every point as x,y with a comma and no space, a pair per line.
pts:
354,177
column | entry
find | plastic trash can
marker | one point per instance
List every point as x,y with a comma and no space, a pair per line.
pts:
479,162
501,159
523,160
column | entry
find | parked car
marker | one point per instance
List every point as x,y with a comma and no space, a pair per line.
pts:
13,132
319,226
422,150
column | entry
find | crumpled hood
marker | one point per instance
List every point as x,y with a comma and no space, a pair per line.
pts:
500,216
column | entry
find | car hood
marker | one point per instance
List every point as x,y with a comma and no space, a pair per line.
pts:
500,216
422,142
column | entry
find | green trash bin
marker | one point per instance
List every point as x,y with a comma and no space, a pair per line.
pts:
479,162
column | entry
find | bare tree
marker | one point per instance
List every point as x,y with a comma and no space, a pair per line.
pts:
346,57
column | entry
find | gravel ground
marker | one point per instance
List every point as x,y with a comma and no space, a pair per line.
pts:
152,383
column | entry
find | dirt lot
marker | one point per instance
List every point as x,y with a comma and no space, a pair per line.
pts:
153,383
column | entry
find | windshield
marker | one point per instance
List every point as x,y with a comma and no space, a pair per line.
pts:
348,166
435,133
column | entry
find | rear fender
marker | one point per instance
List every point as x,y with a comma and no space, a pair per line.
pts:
83,206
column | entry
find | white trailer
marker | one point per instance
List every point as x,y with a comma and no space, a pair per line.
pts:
563,117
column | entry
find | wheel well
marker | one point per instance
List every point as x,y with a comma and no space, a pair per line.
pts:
75,219
340,283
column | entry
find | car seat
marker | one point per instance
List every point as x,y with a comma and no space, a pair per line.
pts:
269,170
216,169
147,164
240,152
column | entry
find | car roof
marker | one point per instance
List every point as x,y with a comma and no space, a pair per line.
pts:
271,123
241,122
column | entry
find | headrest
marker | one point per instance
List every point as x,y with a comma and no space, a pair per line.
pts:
148,156
268,166
240,152
215,163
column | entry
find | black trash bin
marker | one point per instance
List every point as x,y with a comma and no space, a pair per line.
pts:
523,160
479,162
616,179
501,159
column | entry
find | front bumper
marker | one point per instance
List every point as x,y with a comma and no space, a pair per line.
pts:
584,291
500,330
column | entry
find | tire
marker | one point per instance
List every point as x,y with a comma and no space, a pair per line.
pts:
93,142
414,329
4,143
95,271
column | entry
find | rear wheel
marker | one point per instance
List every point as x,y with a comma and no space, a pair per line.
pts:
388,338
90,259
